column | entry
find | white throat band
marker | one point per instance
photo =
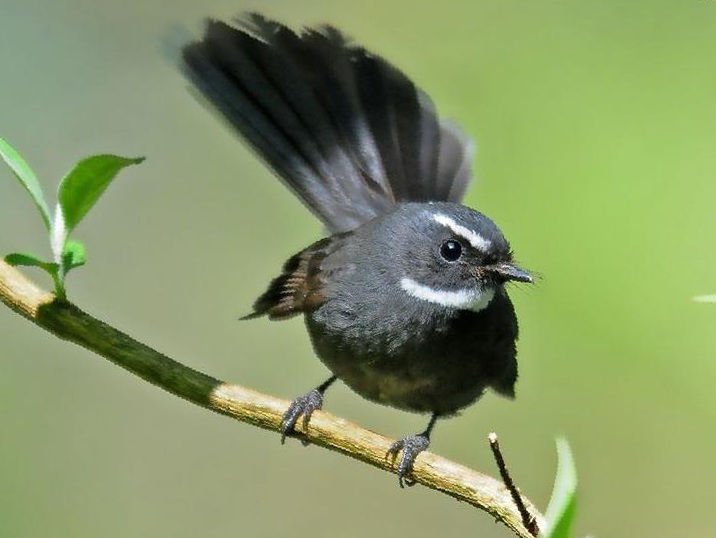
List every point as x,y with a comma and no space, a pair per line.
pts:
474,299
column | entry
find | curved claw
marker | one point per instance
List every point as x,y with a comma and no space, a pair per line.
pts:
411,446
303,405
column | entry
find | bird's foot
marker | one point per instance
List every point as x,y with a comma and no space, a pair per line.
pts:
303,405
411,446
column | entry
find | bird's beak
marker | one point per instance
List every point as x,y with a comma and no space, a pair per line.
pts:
510,272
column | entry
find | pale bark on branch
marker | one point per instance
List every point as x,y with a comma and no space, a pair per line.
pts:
68,322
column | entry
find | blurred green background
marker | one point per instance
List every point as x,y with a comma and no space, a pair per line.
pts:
596,131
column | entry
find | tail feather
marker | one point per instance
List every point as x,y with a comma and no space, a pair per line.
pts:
454,162
349,133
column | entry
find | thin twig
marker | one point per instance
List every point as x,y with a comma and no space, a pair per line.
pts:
528,520
70,323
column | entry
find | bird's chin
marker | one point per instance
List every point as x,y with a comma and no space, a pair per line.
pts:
483,295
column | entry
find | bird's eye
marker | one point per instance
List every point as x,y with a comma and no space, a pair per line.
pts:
451,250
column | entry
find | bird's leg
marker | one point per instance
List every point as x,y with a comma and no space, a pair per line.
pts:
411,446
303,405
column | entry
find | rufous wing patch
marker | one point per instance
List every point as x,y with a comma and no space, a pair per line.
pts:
299,287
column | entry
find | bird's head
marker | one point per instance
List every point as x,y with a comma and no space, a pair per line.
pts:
446,254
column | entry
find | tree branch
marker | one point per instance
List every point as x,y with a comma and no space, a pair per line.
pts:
70,323
528,520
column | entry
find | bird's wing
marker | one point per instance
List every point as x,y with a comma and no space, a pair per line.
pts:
349,133
300,286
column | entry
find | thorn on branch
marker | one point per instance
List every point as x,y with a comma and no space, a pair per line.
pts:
528,520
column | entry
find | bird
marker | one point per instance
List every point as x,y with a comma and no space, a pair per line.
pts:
404,300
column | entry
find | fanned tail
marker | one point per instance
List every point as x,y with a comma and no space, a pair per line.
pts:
347,132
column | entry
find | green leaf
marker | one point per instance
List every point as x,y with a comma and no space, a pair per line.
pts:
562,505
30,260
73,256
27,178
27,260
705,298
82,187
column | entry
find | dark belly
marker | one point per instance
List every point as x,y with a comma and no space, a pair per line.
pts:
419,390
440,366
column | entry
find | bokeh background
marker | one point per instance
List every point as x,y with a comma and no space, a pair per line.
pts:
596,132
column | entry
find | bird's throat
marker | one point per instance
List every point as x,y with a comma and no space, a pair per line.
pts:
475,299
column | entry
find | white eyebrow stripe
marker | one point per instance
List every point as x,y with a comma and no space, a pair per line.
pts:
474,238
474,299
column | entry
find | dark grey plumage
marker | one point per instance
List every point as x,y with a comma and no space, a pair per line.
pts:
408,353
350,134
405,301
